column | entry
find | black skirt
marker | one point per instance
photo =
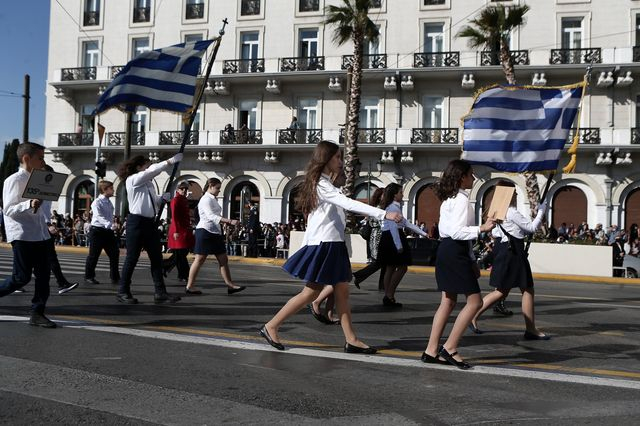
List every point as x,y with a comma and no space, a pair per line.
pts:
510,267
208,243
454,268
388,253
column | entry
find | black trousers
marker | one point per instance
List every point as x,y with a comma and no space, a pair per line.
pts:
370,269
102,239
252,249
178,259
30,257
55,263
142,233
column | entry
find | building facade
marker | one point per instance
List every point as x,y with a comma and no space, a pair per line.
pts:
277,61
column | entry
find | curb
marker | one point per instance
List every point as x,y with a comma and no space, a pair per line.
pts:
427,270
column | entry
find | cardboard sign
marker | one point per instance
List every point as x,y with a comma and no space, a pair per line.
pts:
44,185
500,203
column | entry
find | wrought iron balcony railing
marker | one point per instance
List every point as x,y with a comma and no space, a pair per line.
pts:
91,18
312,63
588,135
576,56
241,137
118,138
370,135
492,57
115,70
300,136
75,74
237,66
368,61
436,59
635,135
434,135
636,53
175,137
75,139
141,14
194,11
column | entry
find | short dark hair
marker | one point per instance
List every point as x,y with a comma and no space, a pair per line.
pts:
28,148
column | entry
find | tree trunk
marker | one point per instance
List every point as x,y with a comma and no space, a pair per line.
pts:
351,160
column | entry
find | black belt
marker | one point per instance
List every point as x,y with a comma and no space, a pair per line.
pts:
100,228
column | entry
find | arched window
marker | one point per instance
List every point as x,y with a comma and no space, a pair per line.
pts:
427,206
294,213
569,206
82,198
632,208
243,195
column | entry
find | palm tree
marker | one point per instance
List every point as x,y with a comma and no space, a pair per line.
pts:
352,23
492,30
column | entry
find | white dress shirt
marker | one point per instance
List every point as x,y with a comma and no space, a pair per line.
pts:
141,193
456,220
326,223
20,222
517,225
102,212
390,225
210,213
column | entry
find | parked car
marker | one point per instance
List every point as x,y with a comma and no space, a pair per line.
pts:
632,266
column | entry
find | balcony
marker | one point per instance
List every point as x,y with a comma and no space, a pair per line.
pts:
576,56
370,135
635,136
238,66
241,137
115,70
312,63
175,138
117,138
300,136
377,61
194,11
636,54
588,136
91,18
75,139
77,74
141,14
489,57
434,135
436,59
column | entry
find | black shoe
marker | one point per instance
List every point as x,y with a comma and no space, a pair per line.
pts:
500,308
531,336
39,320
391,303
115,282
166,268
318,316
62,289
451,360
475,329
235,290
350,349
91,281
264,333
356,281
428,359
20,290
165,298
192,292
126,298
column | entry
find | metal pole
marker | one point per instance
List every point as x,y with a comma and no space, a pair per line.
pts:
25,114
127,136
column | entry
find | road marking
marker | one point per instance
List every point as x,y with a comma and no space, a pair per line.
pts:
400,358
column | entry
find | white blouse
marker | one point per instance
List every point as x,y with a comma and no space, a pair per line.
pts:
210,213
517,225
456,218
326,223
141,193
390,225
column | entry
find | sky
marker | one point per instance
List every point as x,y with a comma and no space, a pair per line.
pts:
24,40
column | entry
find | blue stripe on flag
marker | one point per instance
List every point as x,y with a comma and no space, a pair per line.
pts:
156,84
549,122
513,146
538,166
126,99
510,103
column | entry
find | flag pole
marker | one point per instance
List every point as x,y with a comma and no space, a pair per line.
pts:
192,115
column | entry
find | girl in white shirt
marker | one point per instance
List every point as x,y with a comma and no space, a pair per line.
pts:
511,266
394,251
456,268
209,238
323,258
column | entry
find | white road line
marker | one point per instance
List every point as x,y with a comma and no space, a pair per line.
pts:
380,360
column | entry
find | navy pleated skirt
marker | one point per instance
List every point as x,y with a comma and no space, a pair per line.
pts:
208,243
510,266
454,268
325,263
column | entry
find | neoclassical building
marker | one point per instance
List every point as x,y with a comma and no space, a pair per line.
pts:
277,60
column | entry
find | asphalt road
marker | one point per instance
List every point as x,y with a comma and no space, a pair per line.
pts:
201,361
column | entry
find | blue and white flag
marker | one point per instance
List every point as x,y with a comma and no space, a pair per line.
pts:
158,79
517,129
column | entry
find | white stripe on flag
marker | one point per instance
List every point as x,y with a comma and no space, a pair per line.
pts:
514,135
169,76
511,157
506,114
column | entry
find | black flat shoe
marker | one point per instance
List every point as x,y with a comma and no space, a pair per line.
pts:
235,290
390,303
500,308
350,349
428,359
356,282
192,292
264,333
451,360
321,318
475,329
531,336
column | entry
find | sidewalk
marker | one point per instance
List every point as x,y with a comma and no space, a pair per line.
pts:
430,270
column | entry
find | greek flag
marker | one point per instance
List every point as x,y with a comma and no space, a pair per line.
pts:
517,129
159,79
